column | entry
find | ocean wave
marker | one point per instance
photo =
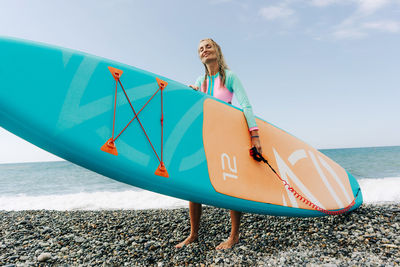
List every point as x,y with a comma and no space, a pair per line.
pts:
132,200
380,190
374,190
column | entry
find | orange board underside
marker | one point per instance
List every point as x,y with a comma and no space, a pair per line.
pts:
233,172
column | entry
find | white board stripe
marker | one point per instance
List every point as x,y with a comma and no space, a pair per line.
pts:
325,180
286,172
296,156
337,179
284,200
292,199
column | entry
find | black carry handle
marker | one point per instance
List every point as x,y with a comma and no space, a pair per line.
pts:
256,155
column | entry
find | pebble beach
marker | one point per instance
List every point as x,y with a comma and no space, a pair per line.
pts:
369,236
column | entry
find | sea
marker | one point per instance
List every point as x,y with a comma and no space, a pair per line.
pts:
63,185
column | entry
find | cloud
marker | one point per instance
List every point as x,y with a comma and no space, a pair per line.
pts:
358,30
324,3
349,19
362,6
359,25
384,26
368,7
349,33
216,2
276,12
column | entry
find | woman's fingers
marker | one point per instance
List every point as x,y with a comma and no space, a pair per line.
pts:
194,87
256,143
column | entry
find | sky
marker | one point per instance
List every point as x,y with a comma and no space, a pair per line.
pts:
327,71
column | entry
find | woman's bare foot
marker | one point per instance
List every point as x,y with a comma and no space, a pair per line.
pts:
228,243
187,241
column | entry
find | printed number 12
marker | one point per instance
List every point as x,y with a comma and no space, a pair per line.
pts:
232,167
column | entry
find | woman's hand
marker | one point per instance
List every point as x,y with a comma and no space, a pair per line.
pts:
194,87
255,141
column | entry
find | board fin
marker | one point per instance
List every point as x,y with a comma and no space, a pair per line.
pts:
110,147
116,73
161,171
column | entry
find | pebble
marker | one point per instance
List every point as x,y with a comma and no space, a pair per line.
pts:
79,239
44,257
369,236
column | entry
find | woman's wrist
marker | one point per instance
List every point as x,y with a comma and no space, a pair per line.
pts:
254,133
252,129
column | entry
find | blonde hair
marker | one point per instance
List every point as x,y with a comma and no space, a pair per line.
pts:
222,66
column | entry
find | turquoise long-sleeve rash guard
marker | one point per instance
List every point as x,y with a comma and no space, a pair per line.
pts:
214,87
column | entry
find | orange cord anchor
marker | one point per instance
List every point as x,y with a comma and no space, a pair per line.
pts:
161,171
162,84
116,73
110,147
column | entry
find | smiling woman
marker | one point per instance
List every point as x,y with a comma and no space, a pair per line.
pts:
222,83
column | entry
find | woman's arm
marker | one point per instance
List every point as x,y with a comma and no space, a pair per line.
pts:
244,102
197,84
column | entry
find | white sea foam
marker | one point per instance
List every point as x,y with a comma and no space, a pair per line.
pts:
380,190
133,200
375,191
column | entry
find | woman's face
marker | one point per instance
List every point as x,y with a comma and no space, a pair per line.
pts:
207,51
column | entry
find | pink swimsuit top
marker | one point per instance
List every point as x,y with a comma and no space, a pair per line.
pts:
216,89
213,86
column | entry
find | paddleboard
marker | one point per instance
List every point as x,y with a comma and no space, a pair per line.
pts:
154,133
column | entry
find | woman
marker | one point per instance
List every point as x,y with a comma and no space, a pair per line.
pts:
221,83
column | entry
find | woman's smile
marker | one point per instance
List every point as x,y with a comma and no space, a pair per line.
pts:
205,54
206,51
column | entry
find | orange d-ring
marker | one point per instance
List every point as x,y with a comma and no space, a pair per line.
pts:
162,84
110,147
116,73
161,170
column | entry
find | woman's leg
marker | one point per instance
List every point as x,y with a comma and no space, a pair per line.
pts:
234,236
195,214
